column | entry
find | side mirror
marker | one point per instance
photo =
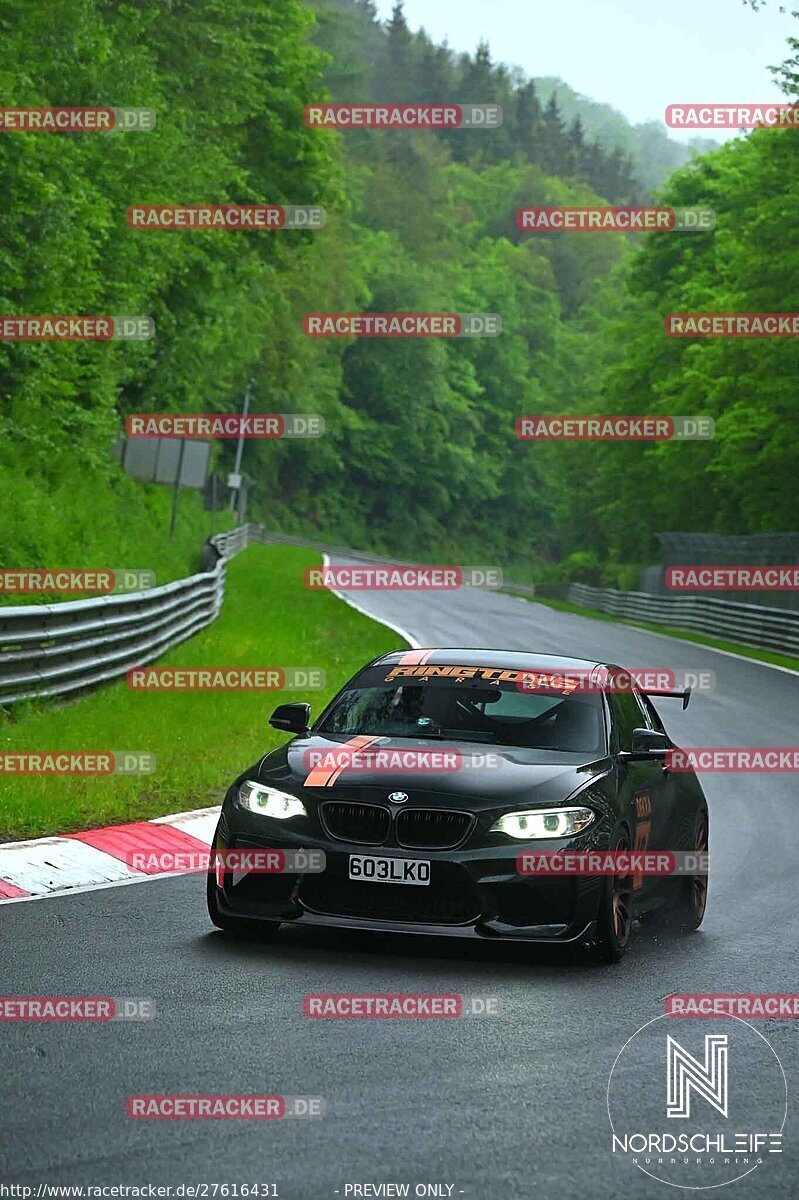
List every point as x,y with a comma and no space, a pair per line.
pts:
648,743
291,718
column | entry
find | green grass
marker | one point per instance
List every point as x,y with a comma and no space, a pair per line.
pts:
754,652
98,522
200,739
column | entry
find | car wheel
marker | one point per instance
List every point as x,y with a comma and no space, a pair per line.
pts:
615,920
688,910
262,931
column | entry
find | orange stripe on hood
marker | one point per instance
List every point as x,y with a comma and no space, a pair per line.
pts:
415,658
325,776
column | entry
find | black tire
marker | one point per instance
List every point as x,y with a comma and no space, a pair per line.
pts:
687,911
614,923
261,931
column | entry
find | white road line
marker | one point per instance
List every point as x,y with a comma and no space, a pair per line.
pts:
403,633
672,637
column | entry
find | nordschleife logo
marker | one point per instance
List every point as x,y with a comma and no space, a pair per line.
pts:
698,1104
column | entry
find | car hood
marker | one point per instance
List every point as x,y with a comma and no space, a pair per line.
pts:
476,776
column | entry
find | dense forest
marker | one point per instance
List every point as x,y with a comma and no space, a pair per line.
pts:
420,456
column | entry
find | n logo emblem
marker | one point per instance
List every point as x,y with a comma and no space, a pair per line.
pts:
708,1079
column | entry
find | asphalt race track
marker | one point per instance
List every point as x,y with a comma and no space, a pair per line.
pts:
512,1105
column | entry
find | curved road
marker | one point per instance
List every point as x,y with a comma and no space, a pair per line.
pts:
506,1106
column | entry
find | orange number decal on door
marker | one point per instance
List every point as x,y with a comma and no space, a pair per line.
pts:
642,831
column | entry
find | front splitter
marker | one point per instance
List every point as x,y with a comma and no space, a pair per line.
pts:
549,935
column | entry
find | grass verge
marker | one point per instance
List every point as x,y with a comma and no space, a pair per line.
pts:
112,523
754,652
200,739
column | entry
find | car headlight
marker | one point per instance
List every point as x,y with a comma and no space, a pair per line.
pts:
269,802
544,823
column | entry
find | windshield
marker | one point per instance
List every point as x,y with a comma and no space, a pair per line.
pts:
498,714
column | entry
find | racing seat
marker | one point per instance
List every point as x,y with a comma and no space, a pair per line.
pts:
576,727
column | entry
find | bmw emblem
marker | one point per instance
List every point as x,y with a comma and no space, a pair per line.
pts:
398,797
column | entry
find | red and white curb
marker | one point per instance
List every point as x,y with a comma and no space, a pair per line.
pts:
98,858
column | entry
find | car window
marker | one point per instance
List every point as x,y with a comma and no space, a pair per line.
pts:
523,704
496,715
628,715
653,715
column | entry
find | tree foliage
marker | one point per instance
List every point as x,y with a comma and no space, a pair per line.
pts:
420,455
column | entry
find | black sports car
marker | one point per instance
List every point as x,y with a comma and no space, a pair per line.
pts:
429,773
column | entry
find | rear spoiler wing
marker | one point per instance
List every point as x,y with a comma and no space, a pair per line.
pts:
684,695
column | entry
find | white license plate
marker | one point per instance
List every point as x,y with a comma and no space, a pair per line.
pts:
389,870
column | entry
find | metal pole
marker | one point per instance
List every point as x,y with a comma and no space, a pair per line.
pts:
240,446
176,492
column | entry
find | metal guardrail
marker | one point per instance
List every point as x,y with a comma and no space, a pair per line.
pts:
55,649
751,624
58,649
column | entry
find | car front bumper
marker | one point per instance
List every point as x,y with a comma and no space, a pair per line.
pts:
473,893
